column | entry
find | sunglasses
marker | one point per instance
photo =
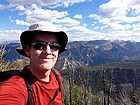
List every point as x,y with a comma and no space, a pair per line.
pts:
42,46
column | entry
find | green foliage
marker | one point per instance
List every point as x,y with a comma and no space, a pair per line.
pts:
16,65
76,97
96,101
19,64
4,65
122,65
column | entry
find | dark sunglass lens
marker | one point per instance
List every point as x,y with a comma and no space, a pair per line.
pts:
39,45
42,45
55,46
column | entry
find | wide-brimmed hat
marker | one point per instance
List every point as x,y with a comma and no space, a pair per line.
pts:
40,28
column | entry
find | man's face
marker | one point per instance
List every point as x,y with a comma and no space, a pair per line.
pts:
46,57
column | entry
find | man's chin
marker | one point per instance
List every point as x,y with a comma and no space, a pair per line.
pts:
46,67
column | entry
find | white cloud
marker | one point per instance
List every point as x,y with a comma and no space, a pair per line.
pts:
39,14
135,7
136,25
71,2
119,17
115,26
81,33
21,22
118,8
92,24
1,7
20,8
85,24
136,29
96,27
34,13
9,35
124,35
117,11
67,22
78,16
104,21
52,3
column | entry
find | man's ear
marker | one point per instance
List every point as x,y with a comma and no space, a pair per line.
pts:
27,50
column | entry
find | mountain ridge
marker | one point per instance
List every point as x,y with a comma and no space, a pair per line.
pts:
90,53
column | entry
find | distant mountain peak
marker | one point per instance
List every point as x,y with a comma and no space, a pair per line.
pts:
90,53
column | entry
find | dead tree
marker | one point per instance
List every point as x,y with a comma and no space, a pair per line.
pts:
104,87
71,71
85,80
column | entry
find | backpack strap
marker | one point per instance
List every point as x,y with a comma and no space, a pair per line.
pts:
5,75
29,87
58,90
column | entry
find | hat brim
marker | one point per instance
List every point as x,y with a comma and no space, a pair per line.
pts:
27,36
21,52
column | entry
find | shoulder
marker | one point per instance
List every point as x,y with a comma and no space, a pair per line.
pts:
15,89
15,82
12,85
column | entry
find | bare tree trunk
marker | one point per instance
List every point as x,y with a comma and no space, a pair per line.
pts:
3,52
109,86
104,87
85,80
71,79
70,89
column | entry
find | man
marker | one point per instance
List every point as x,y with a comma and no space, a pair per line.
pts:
42,44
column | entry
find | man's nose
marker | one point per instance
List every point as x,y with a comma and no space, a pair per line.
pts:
47,49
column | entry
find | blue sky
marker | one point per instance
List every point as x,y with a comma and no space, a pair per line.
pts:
82,20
